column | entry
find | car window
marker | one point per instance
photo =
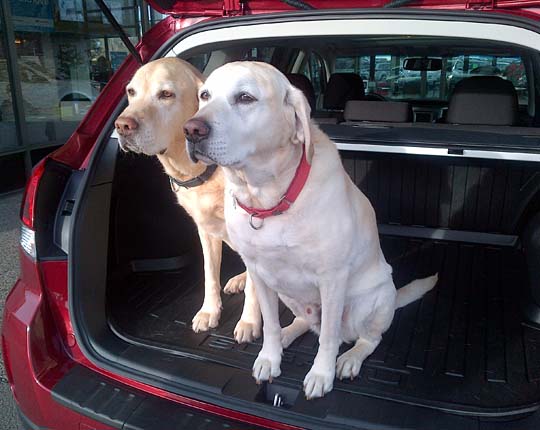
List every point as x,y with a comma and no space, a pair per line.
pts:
385,75
510,68
314,69
200,61
263,54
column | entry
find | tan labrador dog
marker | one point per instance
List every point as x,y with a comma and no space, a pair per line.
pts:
307,234
162,95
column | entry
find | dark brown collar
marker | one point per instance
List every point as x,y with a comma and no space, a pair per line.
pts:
194,182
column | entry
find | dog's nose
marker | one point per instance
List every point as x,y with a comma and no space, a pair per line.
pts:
125,125
196,130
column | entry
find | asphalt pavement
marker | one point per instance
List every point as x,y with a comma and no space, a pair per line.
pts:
9,270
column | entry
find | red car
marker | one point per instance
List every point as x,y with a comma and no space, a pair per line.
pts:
96,331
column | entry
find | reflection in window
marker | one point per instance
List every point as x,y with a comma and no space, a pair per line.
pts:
8,137
66,54
386,76
263,54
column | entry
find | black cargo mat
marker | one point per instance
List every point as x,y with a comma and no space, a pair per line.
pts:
462,348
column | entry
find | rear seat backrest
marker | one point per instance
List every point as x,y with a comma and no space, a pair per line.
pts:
377,111
483,100
303,83
341,88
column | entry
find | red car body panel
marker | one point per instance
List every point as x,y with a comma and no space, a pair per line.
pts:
33,354
38,340
39,347
230,7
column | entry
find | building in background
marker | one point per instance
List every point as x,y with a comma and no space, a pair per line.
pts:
55,57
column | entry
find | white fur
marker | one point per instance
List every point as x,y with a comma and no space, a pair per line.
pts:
322,257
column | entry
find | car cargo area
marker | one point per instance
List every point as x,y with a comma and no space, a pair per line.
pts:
456,190
464,348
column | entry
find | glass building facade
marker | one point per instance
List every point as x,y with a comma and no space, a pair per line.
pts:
55,57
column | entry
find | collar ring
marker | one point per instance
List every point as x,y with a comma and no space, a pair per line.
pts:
252,224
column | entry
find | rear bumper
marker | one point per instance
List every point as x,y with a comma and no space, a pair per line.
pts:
35,361
106,402
26,424
52,391
119,406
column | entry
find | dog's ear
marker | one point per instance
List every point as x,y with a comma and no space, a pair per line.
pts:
199,83
302,113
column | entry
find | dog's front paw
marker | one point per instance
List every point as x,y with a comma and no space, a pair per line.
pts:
236,284
348,365
266,368
205,320
317,383
246,331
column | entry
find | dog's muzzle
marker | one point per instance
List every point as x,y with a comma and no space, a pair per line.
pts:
190,147
122,146
197,132
197,152
127,146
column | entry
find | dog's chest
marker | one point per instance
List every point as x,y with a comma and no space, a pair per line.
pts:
206,209
276,252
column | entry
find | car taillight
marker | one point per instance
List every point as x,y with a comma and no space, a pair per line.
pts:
28,241
42,210
28,235
28,205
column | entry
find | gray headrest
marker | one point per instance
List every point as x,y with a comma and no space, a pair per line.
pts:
486,100
303,83
365,110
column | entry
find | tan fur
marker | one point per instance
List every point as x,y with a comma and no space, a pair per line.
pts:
159,132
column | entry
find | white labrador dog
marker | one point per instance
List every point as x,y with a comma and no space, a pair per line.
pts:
319,252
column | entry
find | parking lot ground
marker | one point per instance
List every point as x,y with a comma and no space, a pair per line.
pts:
9,270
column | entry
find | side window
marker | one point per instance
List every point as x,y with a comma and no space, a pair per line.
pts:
200,61
264,54
314,69
515,73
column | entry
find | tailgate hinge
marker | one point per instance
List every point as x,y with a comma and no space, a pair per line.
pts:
481,4
233,7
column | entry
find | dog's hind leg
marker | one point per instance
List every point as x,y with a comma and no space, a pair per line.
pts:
249,327
236,284
370,320
210,312
297,328
349,363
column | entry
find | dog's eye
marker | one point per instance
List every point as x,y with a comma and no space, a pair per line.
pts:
165,94
245,98
131,92
205,95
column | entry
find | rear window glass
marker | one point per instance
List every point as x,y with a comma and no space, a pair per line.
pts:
385,75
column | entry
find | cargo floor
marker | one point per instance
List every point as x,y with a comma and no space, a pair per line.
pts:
462,348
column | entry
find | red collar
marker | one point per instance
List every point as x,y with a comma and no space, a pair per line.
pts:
296,186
